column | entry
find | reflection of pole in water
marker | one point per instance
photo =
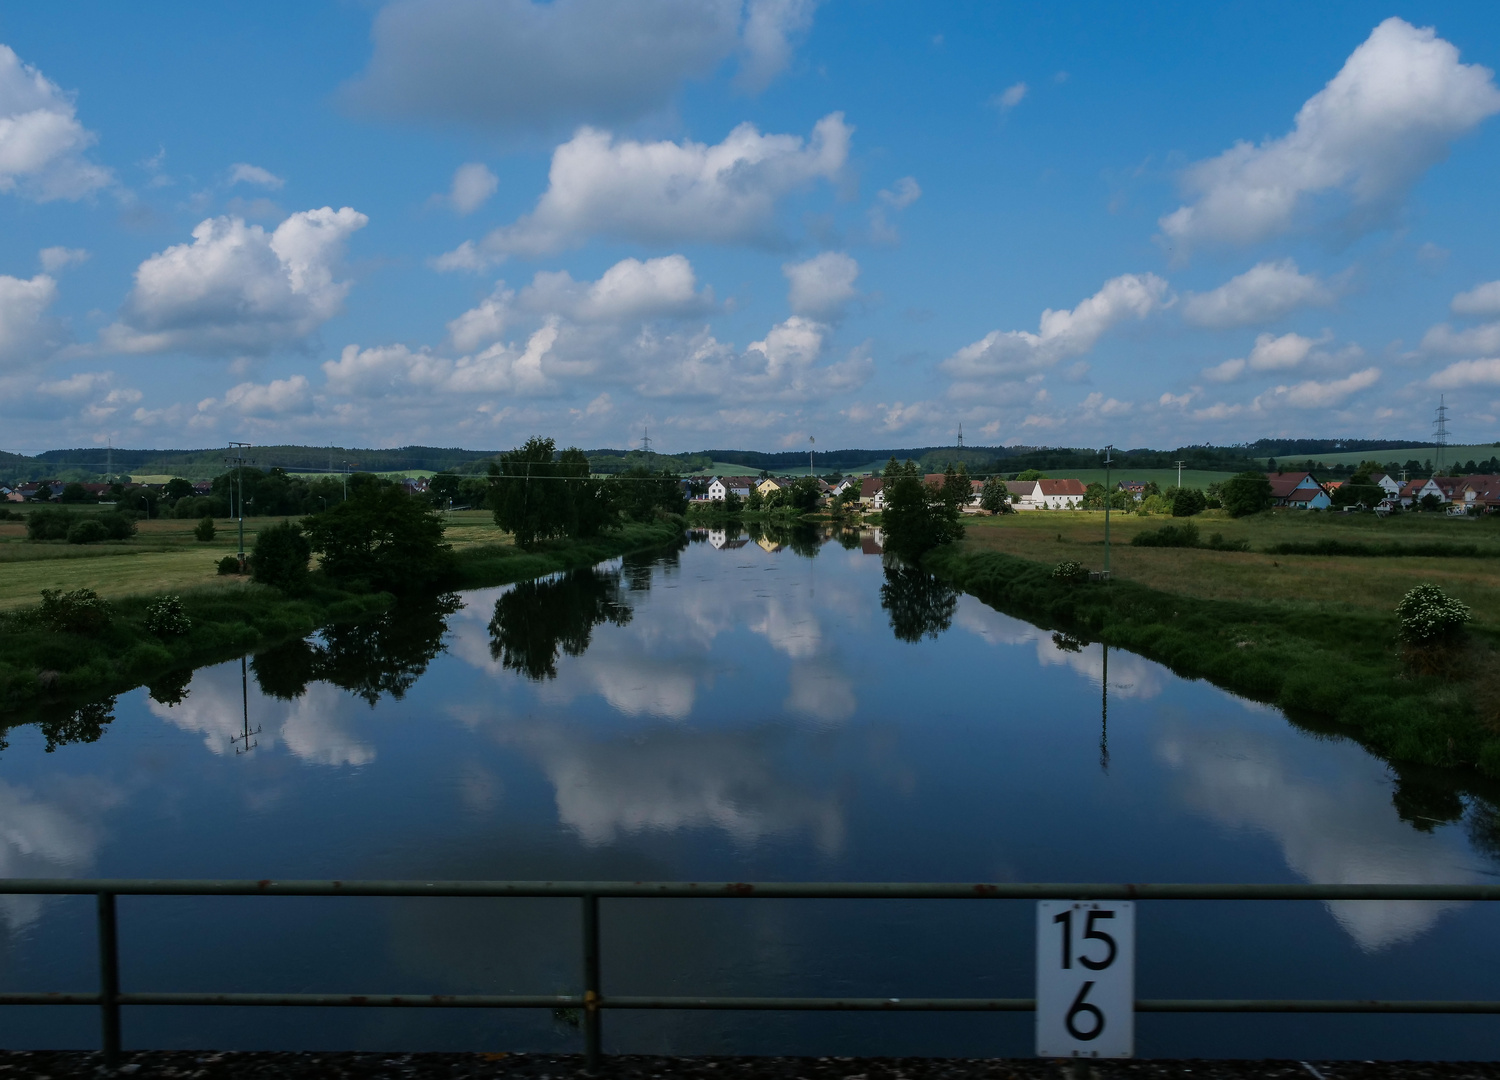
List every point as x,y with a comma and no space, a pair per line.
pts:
1104,715
246,734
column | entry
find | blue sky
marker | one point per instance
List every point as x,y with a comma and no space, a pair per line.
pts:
745,223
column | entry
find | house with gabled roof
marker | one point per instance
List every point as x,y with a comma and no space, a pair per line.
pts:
872,492
1060,494
1297,489
1414,491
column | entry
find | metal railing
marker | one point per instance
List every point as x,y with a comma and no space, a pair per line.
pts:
592,1001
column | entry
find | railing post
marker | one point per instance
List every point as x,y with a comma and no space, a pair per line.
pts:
109,981
592,1020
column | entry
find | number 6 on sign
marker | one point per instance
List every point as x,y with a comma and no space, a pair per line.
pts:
1085,979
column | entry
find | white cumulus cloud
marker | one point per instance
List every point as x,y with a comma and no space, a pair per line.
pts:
521,64
60,258
823,285
269,399
1317,395
1465,373
1271,353
1471,341
1480,300
666,192
26,334
1015,354
41,140
1265,292
473,184
242,173
237,288
1387,117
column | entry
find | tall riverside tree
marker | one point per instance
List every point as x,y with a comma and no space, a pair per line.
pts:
382,539
1247,493
538,495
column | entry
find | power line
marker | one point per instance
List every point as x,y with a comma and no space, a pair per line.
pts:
1441,426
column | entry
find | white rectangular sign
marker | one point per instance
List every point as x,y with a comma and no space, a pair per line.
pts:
1085,979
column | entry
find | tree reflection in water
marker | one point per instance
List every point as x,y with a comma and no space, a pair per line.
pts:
919,604
382,655
64,724
536,619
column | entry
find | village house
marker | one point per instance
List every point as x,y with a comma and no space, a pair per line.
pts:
1136,488
1298,489
773,484
1414,491
872,493
1022,493
1060,494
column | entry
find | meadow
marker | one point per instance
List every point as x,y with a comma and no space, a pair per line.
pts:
163,556
1329,584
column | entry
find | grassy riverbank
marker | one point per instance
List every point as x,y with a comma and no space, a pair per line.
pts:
1314,635
38,663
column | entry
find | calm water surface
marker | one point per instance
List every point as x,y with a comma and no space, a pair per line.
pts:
739,709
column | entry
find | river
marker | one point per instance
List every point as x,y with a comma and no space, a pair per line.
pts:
787,707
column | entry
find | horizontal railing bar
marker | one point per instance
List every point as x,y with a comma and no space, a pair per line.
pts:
740,889
383,1001
748,1004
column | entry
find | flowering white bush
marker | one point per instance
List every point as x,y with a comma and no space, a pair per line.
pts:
1429,615
165,617
1070,571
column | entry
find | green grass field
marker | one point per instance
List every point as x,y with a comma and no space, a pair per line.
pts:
163,556
1331,584
1477,452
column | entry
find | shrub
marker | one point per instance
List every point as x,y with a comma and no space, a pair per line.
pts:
1430,616
1188,501
87,531
1185,535
1218,543
204,530
280,556
229,564
49,523
119,526
165,617
1070,571
81,611
1246,493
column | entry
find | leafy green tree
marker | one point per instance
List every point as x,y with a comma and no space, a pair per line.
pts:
204,530
733,504
755,501
538,495
43,493
1188,501
75,493
956,493
383,539
643,494
905,519
178,488
996,496
1358,490
444,488
1246,493
1094,496
805,494
280,556
1031,474
1430,503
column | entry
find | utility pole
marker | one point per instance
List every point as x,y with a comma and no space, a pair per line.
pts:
1441,426
239,479
1108,461
960,434
646,445
1179,465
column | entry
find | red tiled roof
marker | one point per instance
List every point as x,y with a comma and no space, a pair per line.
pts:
1062,487
1284,483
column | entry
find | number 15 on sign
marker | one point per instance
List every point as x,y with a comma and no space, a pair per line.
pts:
1085,979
